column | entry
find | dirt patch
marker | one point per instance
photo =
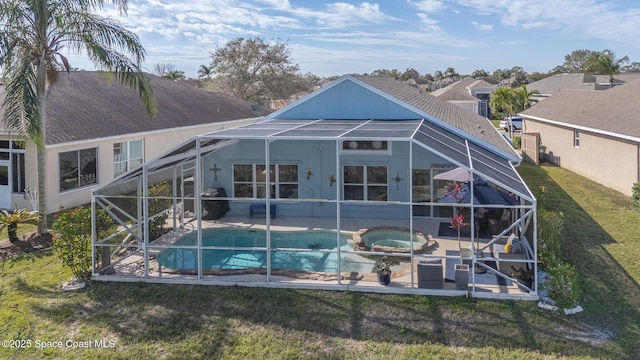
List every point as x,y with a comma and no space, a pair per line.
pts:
28,243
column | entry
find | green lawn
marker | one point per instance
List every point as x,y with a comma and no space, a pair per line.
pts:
206,322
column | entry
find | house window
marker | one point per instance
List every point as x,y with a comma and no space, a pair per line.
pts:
78,168
250,181
126,156
365,182
576,138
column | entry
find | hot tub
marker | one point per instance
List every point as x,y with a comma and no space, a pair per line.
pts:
391,239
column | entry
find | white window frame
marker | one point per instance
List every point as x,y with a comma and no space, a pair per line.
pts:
274,180
576,138
126,157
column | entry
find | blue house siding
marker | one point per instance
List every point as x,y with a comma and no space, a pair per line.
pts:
348,101
319,156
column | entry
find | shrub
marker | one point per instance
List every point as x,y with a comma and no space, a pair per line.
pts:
72,238
539,192
550,226
157,206
635,196
516,142
562,287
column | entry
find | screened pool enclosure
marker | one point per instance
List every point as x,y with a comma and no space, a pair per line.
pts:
316,204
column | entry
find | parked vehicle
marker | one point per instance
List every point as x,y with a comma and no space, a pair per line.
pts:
515,122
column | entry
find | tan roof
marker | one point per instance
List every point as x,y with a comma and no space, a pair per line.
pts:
615,110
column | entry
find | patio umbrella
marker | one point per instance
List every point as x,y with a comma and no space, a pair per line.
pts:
457,174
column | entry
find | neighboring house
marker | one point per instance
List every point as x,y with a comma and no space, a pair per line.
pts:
577,81
592,133
468,93
287,201
420,84
98,130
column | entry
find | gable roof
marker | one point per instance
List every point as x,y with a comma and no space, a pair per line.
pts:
461,90
613,111
85,105
465,123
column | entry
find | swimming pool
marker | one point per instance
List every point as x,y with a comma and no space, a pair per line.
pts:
249,251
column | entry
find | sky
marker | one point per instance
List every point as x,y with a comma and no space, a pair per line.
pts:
328,38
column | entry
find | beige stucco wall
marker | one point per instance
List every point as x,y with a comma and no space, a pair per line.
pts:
606,160
155,144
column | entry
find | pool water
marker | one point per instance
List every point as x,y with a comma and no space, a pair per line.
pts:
308,260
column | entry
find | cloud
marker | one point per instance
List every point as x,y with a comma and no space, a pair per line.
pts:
337,15
427,6
594,18
482,27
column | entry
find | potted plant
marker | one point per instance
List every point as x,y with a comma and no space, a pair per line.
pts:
383,267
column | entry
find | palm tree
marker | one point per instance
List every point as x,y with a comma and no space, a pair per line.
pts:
451,73
205,71
605,63
34,34
438,76
525,97
506,99
174,75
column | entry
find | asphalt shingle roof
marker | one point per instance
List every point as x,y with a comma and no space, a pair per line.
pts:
459,90
615,110
84,105
554,83
463,119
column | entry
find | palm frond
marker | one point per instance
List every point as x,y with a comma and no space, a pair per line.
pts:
22,115
111,48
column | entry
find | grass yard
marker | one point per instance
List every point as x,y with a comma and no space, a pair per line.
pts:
204,322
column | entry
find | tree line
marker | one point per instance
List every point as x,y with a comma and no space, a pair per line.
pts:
258,71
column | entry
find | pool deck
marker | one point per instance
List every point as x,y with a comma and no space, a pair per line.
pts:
132,266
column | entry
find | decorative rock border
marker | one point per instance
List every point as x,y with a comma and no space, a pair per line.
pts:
359,244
